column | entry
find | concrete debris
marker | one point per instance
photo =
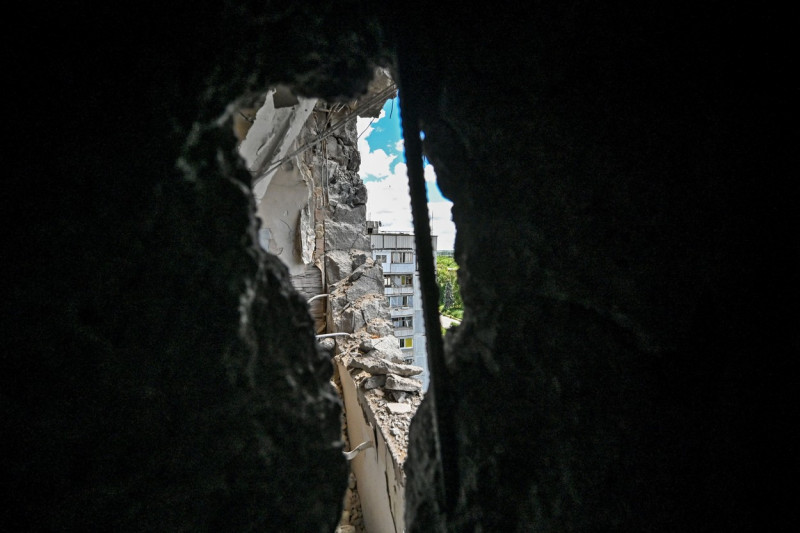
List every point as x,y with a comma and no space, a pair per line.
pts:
357,303
375,365
363,281
360,258
374,382
353,214
389,347
346,190
399,396
338,265
351,319
374,311
306,236
366,346
380,327
398,408
394,382
345,236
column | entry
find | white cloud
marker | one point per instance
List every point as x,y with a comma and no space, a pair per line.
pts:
442,224
430,175
389,202
373,163
376,164
387,197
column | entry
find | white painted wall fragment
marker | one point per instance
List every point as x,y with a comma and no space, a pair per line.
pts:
271,136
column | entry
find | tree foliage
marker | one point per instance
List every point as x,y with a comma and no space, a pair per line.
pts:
447,278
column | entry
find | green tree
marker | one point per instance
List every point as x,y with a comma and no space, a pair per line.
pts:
447,278
448,294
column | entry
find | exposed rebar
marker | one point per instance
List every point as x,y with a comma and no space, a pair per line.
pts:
438,394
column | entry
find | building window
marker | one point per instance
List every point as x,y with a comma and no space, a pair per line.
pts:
402,257
380,258
407,342
406,280
401,301
403,322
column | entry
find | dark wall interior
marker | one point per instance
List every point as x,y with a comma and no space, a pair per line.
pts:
622,201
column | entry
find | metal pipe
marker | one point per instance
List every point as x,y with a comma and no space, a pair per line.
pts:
326,335
352,453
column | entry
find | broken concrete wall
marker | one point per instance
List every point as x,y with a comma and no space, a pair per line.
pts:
159,370
605,377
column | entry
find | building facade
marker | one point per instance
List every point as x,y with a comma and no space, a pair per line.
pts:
397,255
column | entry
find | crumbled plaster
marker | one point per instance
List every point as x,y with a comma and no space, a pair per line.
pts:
271,136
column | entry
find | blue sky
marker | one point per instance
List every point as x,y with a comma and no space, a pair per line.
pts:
383,170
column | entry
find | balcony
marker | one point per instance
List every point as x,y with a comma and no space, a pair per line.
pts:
398,268
395,291
403,332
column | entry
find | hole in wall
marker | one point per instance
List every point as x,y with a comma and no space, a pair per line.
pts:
318,169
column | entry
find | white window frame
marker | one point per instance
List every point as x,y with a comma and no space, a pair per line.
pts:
406,300
402,257
403,322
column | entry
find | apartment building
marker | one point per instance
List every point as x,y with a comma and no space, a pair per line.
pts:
396,252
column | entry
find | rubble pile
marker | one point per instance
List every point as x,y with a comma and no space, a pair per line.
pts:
386,383
377,386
